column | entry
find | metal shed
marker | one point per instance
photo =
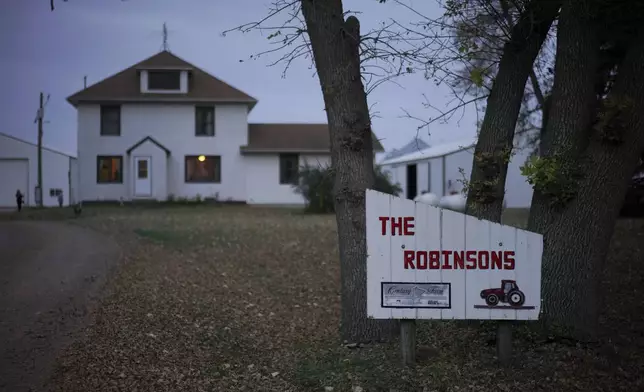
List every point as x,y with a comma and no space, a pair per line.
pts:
440,169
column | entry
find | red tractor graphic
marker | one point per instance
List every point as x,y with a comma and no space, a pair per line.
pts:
508,293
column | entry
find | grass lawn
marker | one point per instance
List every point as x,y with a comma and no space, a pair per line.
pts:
247,299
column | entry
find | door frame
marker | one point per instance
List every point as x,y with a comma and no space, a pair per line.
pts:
135,172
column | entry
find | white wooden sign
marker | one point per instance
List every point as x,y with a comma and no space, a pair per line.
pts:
425,262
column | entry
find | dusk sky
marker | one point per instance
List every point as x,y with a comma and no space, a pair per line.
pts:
52,51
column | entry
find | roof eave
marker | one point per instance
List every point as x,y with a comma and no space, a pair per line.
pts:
253,150
151,140
402,160
76,101
164,68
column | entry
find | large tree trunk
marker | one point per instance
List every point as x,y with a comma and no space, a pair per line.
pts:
577,235
335,44
487,182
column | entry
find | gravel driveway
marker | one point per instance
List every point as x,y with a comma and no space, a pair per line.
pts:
49,275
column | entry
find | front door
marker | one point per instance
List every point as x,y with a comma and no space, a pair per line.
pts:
142,179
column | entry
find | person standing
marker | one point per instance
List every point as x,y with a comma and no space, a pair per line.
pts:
19,199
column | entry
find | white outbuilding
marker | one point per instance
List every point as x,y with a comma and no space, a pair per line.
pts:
440,170
19,170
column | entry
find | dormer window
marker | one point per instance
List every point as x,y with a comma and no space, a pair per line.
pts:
164,80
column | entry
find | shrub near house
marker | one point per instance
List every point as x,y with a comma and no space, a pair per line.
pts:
316,185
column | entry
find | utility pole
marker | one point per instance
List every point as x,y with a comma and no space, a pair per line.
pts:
40,117
85,81
41,110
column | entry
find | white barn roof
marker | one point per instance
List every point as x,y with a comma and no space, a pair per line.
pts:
416,144
432,152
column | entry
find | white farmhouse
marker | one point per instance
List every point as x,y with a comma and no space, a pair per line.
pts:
19,171
165,128
440,170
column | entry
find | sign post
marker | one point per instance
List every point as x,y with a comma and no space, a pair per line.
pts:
428,263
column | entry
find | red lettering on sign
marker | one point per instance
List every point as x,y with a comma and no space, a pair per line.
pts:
508,260
471,259
484,259
383,223
459,260
446,264
497,258
408,225
434,259
398,225
409,259
421,260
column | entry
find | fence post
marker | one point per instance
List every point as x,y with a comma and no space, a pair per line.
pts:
408,341
504,342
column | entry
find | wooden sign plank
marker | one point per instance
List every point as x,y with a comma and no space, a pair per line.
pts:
425,262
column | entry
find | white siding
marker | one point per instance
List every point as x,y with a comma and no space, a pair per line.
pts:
263,178
436,176
399,176
422,177
14,174
75,180
172,125
55,171
453,163
518,192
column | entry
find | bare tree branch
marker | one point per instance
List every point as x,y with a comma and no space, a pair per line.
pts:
459,49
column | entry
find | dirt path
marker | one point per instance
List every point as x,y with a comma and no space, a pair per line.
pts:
49,274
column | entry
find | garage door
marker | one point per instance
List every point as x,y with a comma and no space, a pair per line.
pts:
14,174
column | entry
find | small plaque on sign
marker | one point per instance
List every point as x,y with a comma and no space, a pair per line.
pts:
416,295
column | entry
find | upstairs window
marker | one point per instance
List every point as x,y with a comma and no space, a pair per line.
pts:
164,80
205,121
110,120
289,164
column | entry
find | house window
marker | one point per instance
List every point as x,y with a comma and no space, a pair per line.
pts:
205,121
109,169
164,80
203,169
142,169
110,120
289,164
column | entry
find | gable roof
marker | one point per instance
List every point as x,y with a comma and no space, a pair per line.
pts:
416,144
433,152
145,139
2,134
296,138
125,86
